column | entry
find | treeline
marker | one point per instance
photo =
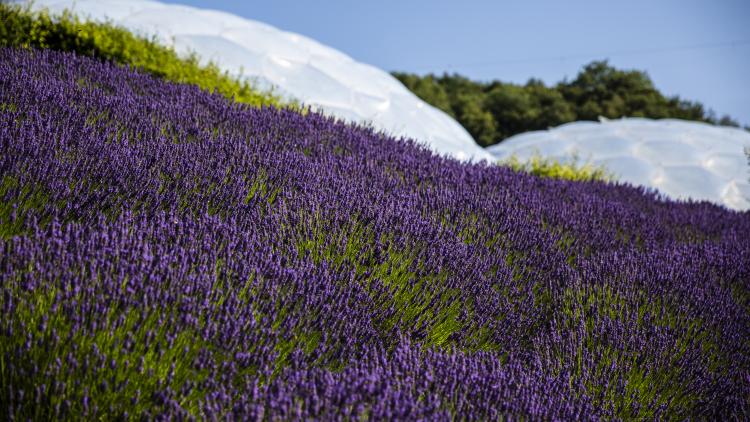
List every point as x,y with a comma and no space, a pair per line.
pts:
496,110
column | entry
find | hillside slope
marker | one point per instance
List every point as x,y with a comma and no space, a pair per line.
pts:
166,252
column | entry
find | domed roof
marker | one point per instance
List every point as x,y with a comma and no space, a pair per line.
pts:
681,159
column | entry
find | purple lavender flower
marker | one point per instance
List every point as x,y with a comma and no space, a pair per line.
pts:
166,253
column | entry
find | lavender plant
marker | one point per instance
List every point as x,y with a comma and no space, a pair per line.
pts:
167,253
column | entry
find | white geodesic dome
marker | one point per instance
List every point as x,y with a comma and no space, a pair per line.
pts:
681,159
295,66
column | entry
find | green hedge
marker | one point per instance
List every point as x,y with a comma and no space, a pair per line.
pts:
546,167
21,27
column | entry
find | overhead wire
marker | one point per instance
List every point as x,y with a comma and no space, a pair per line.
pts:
614,53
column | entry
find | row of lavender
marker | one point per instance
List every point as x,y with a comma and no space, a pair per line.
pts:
167,253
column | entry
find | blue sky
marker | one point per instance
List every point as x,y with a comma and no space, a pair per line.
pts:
699,50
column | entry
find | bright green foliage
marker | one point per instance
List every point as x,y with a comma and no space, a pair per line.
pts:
495,110
545,167
20,27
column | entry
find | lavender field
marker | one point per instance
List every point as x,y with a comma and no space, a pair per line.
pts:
166,253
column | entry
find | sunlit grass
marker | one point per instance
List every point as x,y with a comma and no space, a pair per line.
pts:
547,167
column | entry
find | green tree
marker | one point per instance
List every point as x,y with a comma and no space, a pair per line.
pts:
511,105
476,119
428,89
551,108
601,90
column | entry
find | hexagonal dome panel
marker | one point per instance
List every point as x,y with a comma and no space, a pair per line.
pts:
681,159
